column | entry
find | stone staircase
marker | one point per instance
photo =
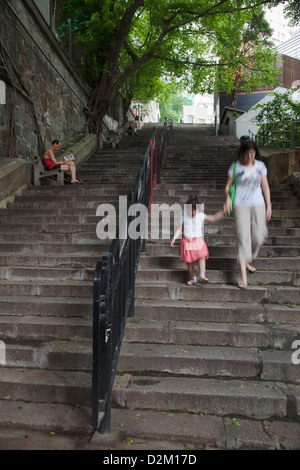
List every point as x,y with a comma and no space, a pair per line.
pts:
211,366
48,254
201,367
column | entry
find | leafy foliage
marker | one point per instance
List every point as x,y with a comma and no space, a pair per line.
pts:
292,10
173,106
248,56
275,118
126,41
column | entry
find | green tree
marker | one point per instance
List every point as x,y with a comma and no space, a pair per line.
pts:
119,37
275,118
250,56
146,84
292,11
173,106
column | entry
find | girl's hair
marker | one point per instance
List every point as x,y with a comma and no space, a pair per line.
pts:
248,145
193,201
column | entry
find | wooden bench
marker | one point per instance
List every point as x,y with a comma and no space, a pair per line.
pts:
41,172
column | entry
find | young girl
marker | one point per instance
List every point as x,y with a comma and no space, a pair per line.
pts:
192,246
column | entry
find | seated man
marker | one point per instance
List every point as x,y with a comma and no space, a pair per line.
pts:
66,165
130,129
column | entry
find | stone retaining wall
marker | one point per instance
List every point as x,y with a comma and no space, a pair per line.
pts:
280,163
50,99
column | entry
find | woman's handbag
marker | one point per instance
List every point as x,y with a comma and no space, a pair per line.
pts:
232,191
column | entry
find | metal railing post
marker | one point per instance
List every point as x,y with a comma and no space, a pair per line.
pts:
151,174
295,136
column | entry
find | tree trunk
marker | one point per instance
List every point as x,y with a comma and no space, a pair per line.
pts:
98,104
105,91
233,100
126,106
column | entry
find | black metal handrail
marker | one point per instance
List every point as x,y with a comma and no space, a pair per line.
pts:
114,281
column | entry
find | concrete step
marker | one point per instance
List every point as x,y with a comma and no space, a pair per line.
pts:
108,189
141,431
52,306
74,225
213,206
107,166
221,277
49,420
155,234
174,431
50,273
76,260
50,228
46,386
215,311
215,180
45,328
41,287
180,167
221,263
66,355
52,238
194,187
207,196
52,212
251,399
35,216
179,291
88,228
57,248
188,360
272,230
113,160
218,292
158,233
208,191
81,202
271,336
223,251
206,361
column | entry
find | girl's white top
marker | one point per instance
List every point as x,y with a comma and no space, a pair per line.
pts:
248,183
192,226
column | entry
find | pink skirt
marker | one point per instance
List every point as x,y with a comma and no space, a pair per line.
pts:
192,249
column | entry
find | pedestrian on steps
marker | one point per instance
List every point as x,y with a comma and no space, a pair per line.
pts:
66,165
252,205
192,246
